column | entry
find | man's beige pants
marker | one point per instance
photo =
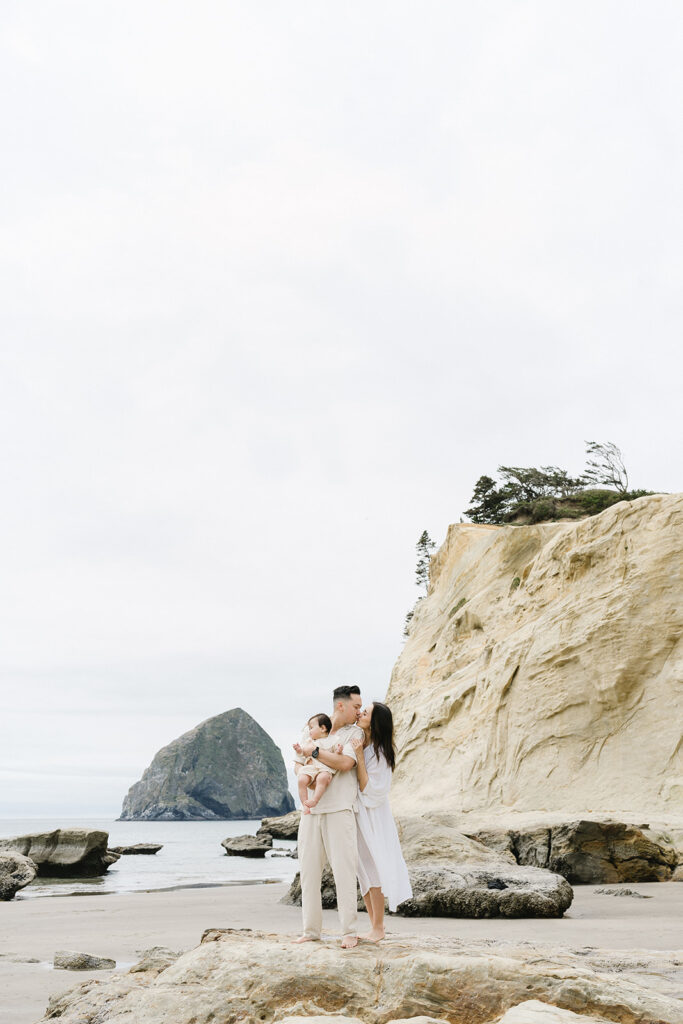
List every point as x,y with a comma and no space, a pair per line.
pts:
328,837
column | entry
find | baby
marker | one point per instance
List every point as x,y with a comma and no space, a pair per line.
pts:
310,771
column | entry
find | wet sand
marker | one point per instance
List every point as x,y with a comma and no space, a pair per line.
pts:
120,926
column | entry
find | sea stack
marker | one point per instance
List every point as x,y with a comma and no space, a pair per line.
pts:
225,768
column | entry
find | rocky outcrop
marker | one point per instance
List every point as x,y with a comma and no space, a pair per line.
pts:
455,876
542,670
226,768
16,872
69,960
261,979
137,849
247,846
590,851
284,827
66,852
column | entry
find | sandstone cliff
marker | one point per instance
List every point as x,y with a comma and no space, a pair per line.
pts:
542,675
227,767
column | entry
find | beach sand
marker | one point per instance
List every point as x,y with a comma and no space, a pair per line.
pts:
120,926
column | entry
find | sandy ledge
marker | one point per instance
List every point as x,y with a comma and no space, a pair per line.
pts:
121,926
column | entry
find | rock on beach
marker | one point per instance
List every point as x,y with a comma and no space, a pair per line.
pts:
247,846
16,872
69,960
68,853
237,975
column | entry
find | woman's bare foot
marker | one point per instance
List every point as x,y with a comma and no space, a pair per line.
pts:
349,941
304,938
374,935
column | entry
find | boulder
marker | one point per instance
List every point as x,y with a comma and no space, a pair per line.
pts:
553,694
68,960
144,849
590,852
455,876
154,960
16,871
66,852
237,975
469,890
284,827
225,768
247,846
328,892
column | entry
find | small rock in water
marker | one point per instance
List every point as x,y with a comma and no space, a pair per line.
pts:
137,848
69,960
624,892
247,846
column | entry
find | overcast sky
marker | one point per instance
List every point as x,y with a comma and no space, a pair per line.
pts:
279,282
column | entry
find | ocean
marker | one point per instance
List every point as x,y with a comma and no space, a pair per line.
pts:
192,855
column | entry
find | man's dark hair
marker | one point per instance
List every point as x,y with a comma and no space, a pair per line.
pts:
345,693
323,720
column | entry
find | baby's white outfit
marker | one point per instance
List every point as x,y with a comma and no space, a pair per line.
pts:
313,766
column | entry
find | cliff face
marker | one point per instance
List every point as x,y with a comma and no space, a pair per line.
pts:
543,674
227,767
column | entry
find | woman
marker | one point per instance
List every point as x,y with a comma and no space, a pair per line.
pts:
382,871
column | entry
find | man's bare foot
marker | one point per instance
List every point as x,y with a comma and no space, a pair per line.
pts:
374,935
349,941
304,938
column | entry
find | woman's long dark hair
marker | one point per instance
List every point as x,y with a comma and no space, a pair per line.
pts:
382,733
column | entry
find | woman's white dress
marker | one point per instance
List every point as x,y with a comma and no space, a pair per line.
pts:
380,861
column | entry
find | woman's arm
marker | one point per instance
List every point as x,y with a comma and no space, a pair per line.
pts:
361,769
378,782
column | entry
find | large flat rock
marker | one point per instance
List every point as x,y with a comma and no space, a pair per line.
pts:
260,979
65,852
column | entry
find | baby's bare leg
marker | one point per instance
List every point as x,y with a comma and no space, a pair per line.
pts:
321,783
303,782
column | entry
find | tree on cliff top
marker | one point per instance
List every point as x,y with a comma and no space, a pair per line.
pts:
529,494
606,466
424,548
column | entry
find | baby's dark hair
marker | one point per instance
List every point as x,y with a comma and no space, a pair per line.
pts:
324,721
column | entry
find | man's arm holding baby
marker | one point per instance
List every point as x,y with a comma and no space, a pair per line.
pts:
333,759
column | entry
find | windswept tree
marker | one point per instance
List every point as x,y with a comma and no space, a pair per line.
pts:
605,466
424,548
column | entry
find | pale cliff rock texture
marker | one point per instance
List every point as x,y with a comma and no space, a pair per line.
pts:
542,674
225,768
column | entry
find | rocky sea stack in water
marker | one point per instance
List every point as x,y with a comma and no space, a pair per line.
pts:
227,767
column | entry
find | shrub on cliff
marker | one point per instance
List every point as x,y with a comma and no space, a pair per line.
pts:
528,494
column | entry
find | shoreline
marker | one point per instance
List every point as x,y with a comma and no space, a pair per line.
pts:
135,892
34,929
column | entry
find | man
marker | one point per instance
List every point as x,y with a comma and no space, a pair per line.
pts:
329,831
